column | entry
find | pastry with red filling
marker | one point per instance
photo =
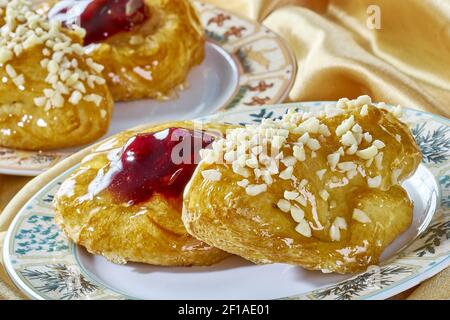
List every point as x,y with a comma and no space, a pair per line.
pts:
147,47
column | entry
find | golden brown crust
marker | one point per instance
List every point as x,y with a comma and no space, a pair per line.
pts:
149,232
223,215
26,126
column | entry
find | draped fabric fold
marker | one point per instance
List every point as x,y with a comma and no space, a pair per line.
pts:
341,52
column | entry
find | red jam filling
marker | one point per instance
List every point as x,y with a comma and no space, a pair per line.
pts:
105,18
161,162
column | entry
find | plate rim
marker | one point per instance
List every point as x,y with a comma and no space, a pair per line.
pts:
26,195
282,94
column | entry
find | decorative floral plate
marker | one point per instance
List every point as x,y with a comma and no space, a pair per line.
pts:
246,64
45,265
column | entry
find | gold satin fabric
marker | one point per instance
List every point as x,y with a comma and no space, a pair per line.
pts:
406,61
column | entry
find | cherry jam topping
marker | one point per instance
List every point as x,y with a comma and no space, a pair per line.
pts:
161,162
105,18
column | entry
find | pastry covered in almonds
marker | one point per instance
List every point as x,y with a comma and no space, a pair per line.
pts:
51,94
321,191
124,202
147,46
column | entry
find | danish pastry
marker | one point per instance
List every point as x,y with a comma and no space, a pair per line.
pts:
146,46
51,94
124,202
321,191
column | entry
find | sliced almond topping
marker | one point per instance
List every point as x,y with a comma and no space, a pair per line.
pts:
351,174
10,71
368,137
255,189
257,150
40,102
311,125
303,184
273,167
299,153
237,168
323,130
320,173
342,103
364,110
397,111
395,175
367,153
374,182
252,162
346,125
5,55
340,223
267,179
297,214
313,144
212,175
335,234
289,161
301,200
75,98
304,138
379,161
363,100
333,160
290,195
284,205
352,150
324,194
348,139
379,144
347,166
331,111
357,128
286,174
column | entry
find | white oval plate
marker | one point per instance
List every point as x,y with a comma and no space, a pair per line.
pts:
246,64
45,265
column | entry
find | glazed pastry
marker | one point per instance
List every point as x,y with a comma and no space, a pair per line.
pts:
146,46
321,191
124,202
3,4
51,94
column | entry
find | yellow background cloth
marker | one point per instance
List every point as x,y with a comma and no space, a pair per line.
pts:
341,53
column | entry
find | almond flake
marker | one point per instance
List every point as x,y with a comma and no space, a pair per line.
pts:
297,214
284,205
212,175
374,182
367,153
303,228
